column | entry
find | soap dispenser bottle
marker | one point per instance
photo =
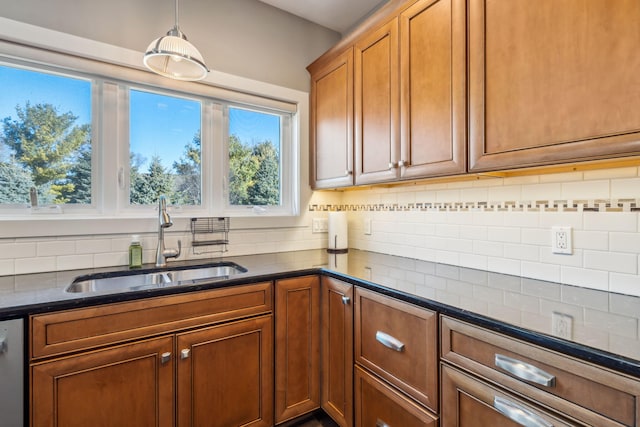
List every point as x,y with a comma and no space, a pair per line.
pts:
135,252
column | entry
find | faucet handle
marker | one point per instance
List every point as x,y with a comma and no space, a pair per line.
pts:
172,253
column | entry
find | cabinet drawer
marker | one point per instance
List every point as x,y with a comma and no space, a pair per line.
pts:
581,390
469,402
397,341
379,405
84,328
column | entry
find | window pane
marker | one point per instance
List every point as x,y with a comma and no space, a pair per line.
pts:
45,139
165,149
254,158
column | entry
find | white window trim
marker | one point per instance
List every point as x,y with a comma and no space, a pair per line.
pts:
16,37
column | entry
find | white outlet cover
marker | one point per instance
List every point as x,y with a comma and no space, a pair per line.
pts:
561,240
561,325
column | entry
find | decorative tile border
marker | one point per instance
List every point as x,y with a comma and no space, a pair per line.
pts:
621,205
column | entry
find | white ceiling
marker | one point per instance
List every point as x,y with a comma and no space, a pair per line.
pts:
339,15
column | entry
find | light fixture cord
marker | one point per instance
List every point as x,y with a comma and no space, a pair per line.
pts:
177,26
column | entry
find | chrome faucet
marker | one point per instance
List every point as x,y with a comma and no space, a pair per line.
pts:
164,221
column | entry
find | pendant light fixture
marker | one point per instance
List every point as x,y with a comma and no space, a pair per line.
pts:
174,57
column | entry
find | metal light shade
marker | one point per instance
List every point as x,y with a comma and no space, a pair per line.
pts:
174,57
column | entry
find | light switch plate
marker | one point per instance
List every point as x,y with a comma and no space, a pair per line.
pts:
319,225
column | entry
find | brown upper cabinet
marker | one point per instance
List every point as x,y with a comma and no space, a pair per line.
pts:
552,82
446,87
432,87
377,108
331,121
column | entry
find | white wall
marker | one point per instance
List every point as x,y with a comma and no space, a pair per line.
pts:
246,38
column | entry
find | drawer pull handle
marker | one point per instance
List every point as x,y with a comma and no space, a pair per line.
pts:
165,357
525,371
389,341
184,353
519,413
346,300
380,423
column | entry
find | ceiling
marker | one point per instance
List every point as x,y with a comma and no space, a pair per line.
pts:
338,15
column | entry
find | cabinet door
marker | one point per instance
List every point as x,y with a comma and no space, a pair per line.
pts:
377,108
331,139
337,350
469,402
433,88
379,405
128,385
552,82
297,320
225,375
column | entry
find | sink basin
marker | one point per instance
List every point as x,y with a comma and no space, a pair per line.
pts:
150,279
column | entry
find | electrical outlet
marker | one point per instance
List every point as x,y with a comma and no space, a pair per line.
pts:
319,225
562,325
561,240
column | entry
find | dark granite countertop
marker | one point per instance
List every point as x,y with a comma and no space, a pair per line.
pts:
605,325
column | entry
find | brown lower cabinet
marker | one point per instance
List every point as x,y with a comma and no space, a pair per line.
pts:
225,375
297,326
224,378
470,402
337,351
379,405
126,385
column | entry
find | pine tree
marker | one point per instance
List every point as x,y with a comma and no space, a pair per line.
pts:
265,189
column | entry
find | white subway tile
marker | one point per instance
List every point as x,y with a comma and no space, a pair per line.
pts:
110,259
625,188
452,195
7,267
522,219
448,257
18,250
628,284
56,247
586,190
618,325
573,260
611,261
535,236
562,177
504,234
505,266
611,221
492,249
583,277
571,219
473,232
541,271
624,242
521,252
611,173
35,265
505,193
474,194
549,191
596,240
73,262
479,262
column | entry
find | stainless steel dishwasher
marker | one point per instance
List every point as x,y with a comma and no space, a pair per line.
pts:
12,373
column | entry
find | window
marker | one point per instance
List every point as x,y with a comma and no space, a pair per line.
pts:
45,138
110,146
254,158
164,149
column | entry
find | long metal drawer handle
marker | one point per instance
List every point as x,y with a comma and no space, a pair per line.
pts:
380,423
389,341
525,371
519,413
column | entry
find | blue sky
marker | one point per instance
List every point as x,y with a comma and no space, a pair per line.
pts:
160,124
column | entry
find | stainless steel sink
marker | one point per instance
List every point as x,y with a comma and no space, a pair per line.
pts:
150,279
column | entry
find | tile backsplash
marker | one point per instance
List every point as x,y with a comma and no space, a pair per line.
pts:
496,224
